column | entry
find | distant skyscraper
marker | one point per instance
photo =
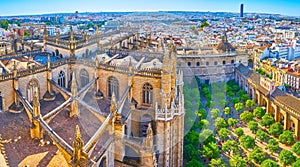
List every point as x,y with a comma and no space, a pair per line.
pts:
242,10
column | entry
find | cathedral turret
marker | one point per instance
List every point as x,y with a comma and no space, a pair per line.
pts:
166,81
16,107
72,45
74,110
49,95
35,129
148,141
39,31
45,36
79,158
57,36
119,149
148,154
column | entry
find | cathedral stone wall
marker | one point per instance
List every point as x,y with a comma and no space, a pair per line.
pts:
82,51
6,88
52,49
139,82
42,83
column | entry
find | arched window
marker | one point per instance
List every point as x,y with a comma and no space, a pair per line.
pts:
56,52
84,77
224,62
31,87
198,64
61,80
232,61
216,63
103,162
113,86
147,94
1,102
189,64
207,63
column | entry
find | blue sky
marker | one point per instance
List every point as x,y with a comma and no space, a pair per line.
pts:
27,7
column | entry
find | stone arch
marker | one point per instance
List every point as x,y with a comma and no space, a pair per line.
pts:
84,77
292,125
87,52
61,80
251,92
144,123
32,85
112,86
198,64
53,53
103,162
281,117
56,52
264,101
147,94
272,111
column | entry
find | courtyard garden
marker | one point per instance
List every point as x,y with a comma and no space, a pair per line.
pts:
224,127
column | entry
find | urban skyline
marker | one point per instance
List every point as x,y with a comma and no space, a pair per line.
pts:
31,7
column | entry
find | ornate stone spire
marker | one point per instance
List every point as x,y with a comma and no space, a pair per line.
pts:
130,66
97,29
35,130
48,62
36,102
74,87
71,33
15,69
148,141
79,157
74,110
45,31
113,105
39,31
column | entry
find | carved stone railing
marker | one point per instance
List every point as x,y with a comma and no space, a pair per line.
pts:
287,108
6,76
32,71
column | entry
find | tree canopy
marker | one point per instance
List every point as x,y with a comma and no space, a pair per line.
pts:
239,132
220,123
223,133
267,120
273,145
238,106
210,150
230,146
232,122
269,163
259,112
246,116
276,129
257,155
194,163
287,137
286,157
261,135
247,141
237,161
296,148
217,162
253,126
4,24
